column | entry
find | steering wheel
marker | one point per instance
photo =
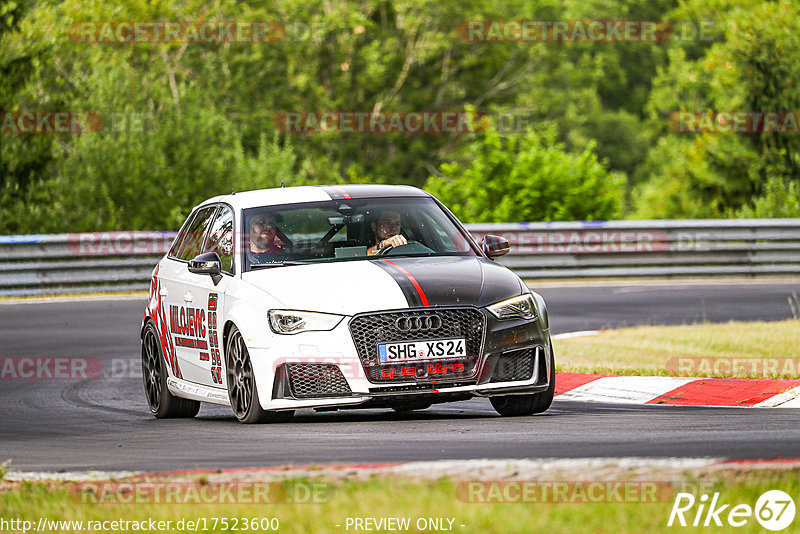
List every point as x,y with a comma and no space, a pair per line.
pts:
415,248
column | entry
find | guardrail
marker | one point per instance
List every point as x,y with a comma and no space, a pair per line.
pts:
79,263
661,248
123,261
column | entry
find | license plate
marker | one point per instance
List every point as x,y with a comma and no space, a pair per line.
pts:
422,350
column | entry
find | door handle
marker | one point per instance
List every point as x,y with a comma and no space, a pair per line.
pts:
187,297
163,292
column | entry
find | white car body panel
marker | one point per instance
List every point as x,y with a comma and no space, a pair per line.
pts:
345,288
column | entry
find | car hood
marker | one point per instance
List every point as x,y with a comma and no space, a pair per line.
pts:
352,287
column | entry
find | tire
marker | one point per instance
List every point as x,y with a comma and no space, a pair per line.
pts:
411,406
516,405
242,390
162,403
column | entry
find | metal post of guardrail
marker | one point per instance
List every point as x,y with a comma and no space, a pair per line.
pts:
122,261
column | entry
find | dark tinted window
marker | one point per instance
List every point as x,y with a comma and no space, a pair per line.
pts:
220,238
181,237
191,243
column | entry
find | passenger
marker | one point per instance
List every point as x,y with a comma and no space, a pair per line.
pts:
263,230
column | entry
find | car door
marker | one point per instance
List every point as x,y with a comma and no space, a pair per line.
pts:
185,322
168,283
203,299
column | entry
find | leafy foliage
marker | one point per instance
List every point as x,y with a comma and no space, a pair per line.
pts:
527,178
752,66
185,121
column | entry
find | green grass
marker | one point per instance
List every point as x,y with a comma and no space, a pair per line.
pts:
748,350
403,498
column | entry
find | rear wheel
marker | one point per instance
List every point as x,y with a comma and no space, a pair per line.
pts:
162,403
516,405
242,390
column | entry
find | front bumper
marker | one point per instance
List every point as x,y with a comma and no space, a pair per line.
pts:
514,357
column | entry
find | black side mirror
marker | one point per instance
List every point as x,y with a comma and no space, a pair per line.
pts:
207,263
495,246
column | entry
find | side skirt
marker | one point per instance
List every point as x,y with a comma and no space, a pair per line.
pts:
189,390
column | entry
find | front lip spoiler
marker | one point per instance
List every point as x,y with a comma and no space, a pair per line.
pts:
444,392
510,390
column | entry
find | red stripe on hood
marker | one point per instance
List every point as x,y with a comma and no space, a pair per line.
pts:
418,287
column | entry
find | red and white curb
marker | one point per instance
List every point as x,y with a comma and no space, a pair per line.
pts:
679,391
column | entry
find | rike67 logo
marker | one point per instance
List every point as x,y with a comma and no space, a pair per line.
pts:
774,510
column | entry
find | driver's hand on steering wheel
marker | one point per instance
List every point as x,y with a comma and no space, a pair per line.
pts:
394,241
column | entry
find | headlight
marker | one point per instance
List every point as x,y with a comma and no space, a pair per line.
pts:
521,307
294,322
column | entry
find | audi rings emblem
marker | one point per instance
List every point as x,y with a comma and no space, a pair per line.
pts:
418,323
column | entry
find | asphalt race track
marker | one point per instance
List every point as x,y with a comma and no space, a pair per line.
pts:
104,423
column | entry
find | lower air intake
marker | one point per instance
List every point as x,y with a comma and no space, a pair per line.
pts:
514,366
307,380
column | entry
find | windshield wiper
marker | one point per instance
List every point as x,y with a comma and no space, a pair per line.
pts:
278,264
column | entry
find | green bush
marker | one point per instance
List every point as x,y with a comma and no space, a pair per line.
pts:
781,198
161,169
529,177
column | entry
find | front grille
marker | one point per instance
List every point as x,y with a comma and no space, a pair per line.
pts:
370,329
514,366
316,380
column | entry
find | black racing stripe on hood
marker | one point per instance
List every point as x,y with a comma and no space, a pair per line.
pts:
455,280
413,297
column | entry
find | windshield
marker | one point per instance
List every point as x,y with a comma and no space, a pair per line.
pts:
340,230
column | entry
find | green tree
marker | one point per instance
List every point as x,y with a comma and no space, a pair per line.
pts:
22,159
528,177
753,65
203,113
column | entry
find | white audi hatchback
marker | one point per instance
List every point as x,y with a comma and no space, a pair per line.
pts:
334,297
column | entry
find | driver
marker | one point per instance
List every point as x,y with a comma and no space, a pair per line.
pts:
263,230
387,232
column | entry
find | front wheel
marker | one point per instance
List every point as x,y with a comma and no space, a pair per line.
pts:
516,405
242,391
162,403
